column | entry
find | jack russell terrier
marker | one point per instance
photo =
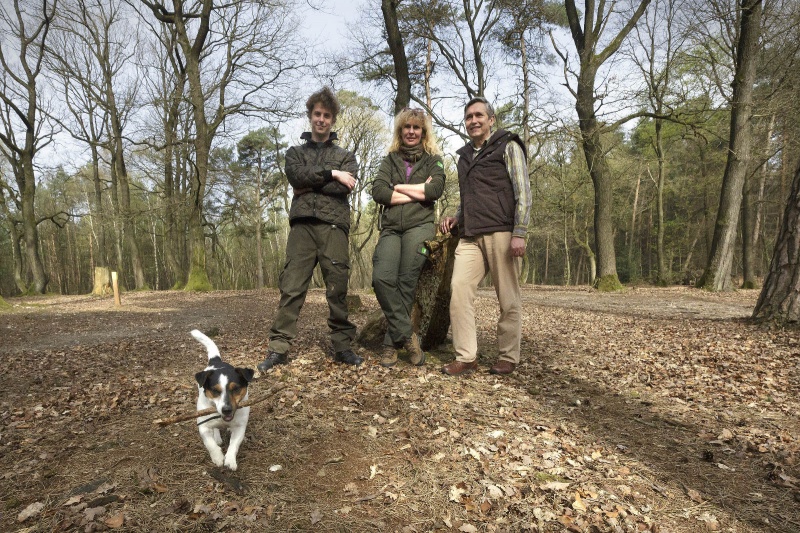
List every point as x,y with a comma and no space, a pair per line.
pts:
222,387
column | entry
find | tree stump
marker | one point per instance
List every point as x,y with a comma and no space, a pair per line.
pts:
431,314
102,281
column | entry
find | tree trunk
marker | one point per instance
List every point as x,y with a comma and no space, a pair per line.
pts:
586,36
29,226
102,281
717,276
395,41
752,212
16,250
431,314
779,301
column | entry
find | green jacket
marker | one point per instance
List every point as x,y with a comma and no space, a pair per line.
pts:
392,172
316,194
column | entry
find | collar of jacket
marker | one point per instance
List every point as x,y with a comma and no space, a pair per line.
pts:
306,136
493,138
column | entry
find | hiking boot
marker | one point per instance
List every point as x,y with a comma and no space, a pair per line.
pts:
273,358
388,356
414,349
348,357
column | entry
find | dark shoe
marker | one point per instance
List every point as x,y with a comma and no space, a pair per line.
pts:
502,367
414,349
458,368
273,358
388,356
348,357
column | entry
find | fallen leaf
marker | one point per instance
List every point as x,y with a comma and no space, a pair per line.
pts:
73,500
468,528
456,491
316,516
30,511
578,504
726,434
275,468
694,495
494,492
115,521
555,485
93,512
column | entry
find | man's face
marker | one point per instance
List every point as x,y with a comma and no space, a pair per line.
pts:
321,122
478,122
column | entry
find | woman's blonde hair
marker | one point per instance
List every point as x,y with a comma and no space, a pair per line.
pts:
415,116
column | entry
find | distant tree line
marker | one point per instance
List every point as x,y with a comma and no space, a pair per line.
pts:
662,134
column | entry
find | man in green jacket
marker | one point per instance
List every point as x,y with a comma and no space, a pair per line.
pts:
322,175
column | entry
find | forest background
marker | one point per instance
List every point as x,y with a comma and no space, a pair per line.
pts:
147,137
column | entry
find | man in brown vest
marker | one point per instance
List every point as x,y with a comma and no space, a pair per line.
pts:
492,220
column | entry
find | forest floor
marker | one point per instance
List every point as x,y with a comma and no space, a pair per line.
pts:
647,410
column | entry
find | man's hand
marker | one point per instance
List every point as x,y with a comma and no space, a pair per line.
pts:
517,246
447,224
345,178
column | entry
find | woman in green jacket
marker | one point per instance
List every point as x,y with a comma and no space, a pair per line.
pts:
410,179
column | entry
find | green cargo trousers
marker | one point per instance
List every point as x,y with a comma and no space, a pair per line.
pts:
395,271
311,242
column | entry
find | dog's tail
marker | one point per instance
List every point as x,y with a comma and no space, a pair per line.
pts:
213,351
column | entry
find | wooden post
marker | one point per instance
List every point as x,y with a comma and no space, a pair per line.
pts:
116,289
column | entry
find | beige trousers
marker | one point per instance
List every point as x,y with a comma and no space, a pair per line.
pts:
474,256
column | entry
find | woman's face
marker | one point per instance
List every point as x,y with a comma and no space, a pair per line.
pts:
411,134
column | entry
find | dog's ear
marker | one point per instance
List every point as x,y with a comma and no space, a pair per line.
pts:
246,373
201,377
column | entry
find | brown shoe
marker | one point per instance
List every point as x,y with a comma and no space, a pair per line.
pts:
502,367
414,349
458,368
388,356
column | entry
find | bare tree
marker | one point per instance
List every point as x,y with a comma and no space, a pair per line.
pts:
25,31
658,43
717,275
94,56
594,49
232,54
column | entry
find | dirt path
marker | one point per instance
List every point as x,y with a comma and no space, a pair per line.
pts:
649,410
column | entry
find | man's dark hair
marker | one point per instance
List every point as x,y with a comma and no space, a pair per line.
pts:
325,97
482,100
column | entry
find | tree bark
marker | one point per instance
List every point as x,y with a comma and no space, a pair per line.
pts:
779,300
395,41
16,250
717,276
431,314
102,281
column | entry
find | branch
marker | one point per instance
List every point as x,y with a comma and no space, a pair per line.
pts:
211,410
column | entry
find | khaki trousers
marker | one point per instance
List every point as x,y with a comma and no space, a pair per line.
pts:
474,257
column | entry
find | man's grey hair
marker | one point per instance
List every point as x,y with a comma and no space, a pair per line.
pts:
482,100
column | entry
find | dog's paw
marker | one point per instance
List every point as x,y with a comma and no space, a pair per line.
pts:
230,463
217,458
